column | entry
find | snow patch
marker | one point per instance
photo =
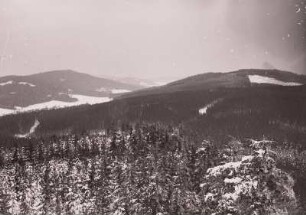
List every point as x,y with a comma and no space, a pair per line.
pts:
153,84
60,104
241,187
145,84
219,169
203,110
102,89
6,83
247,158
202,149
32,130
27,84
260,152
258,79
54,104
117,91
89,99
232,180
6,111
208,196
160,83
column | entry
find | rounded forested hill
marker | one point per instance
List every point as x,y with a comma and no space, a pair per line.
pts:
276,110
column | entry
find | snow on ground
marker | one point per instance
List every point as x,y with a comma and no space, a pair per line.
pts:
6,111
160,83
203,110
154,84
6,83
215,171
117,91
247,158
54,104
260,152
102,89
235,180
89,99
27,84
32,130
146,84
267,80
60,104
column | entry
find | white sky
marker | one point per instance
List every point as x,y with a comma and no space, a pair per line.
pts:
150,38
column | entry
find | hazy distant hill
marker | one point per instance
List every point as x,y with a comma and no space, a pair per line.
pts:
61,86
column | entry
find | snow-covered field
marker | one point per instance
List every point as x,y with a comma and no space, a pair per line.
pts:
54,104
6,111
258,79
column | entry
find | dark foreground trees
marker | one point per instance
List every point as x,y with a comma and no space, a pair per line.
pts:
143,170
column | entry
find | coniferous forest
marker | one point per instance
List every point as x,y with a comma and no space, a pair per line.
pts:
152,107
150,169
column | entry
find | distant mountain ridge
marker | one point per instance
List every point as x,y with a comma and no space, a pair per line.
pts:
235,79
64,88
214,96
22,91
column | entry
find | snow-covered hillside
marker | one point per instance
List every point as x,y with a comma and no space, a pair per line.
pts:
53,86
4,111
6,83
81,99
258,79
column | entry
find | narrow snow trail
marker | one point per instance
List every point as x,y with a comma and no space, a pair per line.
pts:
27,84
32,130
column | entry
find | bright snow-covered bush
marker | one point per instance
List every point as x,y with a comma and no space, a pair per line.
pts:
253,185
